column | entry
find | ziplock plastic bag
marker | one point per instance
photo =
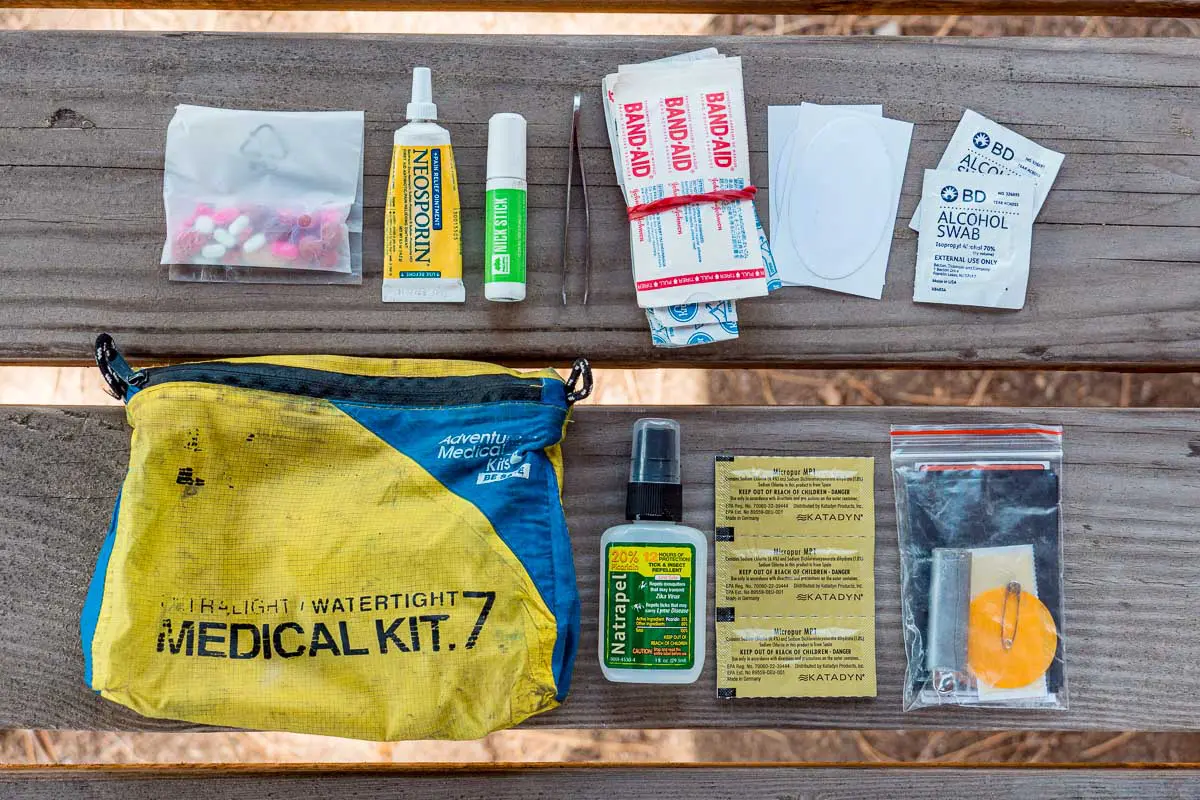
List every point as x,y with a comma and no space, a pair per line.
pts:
979,516
264,196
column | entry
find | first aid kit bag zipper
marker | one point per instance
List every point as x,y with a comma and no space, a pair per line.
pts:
122,380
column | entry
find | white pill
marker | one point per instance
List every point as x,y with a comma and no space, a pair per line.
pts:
224,237
204,224
213,250
240,224
254,243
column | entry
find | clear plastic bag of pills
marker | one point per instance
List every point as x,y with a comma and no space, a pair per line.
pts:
264,196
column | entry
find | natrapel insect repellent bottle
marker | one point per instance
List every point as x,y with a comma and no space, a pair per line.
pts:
654,571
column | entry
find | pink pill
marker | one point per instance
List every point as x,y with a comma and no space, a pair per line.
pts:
285,250
202,210
226,216
331,232
187,245
310,248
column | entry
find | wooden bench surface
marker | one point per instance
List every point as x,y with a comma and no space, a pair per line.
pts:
1115,279
335,782
1122,8
1132,572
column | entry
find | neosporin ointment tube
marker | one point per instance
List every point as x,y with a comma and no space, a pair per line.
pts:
422,235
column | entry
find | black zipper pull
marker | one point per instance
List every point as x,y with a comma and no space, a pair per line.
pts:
118,375
580,370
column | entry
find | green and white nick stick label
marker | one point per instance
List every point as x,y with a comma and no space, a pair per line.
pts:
504,236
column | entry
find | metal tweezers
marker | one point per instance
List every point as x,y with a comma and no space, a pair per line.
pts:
575,156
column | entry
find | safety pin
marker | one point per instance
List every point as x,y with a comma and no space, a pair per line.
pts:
575,156
1012,589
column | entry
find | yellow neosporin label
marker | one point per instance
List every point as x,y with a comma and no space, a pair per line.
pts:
422,235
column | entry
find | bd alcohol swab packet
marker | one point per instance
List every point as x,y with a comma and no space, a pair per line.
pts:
986,147
681,132
974,241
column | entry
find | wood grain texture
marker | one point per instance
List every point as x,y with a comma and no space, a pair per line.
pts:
1116,276
596,783
1110,8
1132,490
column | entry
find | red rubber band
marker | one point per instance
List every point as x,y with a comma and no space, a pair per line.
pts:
667,203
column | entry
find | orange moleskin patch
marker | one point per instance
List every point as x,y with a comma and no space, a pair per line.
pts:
1028,624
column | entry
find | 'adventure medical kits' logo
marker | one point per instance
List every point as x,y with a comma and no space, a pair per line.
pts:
497,450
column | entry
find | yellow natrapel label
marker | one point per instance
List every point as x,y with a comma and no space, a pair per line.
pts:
650,560
795,568
422,235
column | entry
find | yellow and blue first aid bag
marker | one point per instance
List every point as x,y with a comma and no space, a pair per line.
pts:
357,547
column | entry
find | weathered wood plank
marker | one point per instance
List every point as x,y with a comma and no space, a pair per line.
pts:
1110,8
595,783
1131,557
1115,278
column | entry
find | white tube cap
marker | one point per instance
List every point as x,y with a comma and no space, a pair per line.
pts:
506,146
504,291
422,106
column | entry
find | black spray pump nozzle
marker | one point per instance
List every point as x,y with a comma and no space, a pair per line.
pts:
654,491
655,451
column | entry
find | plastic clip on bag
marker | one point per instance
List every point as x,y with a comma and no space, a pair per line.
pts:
347,546
980,524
